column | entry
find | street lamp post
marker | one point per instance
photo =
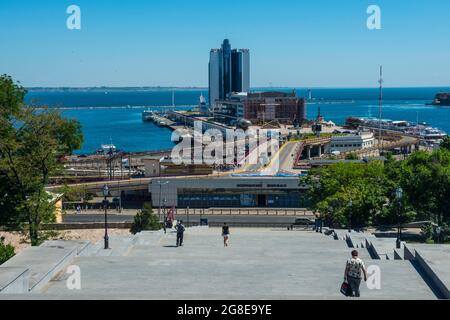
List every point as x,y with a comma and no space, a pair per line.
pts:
350,205
187,214
164,214
438,234
331,211
160,186
399,196
105,204
160,197
120,196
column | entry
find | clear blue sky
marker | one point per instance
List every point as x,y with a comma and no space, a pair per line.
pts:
305,43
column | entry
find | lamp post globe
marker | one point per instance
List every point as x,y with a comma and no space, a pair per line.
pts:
399,193
105,190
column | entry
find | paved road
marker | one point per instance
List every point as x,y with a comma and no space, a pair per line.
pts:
287,156
192,218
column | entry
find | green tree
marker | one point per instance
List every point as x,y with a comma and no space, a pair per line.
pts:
145,220
348,193
6,251
32,142
445,144
425,177
75,194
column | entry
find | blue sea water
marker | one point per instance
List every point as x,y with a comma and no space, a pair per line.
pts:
125,128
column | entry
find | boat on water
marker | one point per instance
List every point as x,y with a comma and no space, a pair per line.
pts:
426,133
107,149
423,131
152,116
441,99
147,115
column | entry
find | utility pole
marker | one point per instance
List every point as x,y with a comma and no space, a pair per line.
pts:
380,136
119,181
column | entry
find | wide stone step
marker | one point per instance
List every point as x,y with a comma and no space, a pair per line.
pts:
118,246
14,280
382,248
42,262
260,278
434,262
82,247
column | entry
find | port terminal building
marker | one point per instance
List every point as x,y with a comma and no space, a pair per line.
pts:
262,107
234,191
347,143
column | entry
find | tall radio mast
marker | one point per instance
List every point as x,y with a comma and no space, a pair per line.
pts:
380,136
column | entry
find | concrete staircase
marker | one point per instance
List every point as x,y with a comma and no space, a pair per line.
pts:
258,264
431,262
34,267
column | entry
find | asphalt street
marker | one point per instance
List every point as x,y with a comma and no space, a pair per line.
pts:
263,219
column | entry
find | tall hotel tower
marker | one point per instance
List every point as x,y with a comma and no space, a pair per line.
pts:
229,71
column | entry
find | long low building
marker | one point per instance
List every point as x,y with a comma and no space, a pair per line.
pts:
228,192
346,143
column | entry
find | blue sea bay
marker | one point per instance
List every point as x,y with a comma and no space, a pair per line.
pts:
125,128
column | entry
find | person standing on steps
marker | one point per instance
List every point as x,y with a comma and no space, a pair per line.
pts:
355,266
180,233
225,234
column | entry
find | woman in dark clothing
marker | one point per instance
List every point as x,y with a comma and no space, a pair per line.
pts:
225,234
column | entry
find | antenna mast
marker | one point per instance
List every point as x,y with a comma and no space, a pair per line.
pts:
173,99
380,136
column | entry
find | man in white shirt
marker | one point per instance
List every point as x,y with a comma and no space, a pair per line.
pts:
355,266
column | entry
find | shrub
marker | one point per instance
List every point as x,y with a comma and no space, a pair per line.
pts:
6,251
145,220
352,156
427,232
429,235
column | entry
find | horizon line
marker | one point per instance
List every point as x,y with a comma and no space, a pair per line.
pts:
206,88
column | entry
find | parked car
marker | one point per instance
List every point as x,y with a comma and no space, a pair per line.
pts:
304,222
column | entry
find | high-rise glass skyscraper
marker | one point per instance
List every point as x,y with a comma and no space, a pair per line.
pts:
229,71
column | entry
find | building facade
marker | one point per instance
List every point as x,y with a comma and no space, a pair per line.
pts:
154,167
362,140
229,71
229,192
263,107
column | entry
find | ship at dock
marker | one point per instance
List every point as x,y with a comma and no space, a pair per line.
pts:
441,99
147,115
152,116
424,132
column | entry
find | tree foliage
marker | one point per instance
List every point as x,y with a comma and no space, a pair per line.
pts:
75,193
32,142
348,193
370,188
6,251
352,156
446,143
145,220
425,177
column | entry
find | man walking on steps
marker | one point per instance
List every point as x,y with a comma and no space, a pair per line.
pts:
180,233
